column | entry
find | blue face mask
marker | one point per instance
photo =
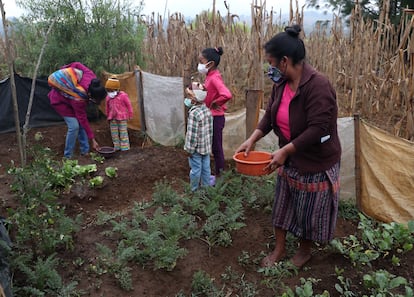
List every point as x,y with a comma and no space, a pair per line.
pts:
275,74
188,103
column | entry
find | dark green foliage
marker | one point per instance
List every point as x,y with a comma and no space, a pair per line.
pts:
41,278
146,240
210,214
40,226
203,284
102,34
375,240
347,210
369,8
40,222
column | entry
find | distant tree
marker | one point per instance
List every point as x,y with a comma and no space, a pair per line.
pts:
103,34
369,8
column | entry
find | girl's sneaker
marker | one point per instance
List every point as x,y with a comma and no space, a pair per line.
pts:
212,180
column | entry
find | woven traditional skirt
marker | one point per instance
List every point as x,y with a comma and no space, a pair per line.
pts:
307,205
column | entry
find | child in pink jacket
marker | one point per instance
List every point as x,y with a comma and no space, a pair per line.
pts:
118,112
217,96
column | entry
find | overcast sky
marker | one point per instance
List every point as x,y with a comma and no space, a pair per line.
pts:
188,7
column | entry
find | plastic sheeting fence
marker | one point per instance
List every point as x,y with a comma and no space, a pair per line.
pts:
387,175
157,102
42,113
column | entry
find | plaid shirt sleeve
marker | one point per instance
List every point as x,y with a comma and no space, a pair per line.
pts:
192,132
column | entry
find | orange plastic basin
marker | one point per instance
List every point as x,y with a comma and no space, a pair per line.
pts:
253,164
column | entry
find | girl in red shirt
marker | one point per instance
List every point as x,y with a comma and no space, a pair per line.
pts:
217,96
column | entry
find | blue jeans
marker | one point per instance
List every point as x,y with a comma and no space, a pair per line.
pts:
199,170
75,131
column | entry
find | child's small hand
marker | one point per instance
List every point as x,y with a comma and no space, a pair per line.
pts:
215,106
190,93
197,86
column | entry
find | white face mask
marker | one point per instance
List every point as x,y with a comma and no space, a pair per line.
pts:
202,68
112,94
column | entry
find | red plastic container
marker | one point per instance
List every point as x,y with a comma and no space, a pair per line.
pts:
253,164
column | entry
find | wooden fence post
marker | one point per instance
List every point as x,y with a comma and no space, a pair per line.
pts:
357,161
254,100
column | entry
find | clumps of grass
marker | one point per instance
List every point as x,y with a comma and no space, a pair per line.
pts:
347,210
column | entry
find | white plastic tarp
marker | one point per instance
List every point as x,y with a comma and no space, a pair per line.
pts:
164,109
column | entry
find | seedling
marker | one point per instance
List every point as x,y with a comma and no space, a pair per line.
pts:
95,182
111,172
96,157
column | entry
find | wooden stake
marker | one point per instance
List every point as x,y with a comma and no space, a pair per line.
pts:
29,106
10,62
357,161
253,102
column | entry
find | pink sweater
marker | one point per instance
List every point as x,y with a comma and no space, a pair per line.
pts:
216,92
119,107
74,108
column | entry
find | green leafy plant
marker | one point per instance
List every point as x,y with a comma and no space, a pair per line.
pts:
111,172
244,259
376,240
347,210
203,284
237,284
96,157
96,181
40,225
344,286
383,283
145,240
305,289
164,195
273,275
116,265
41,278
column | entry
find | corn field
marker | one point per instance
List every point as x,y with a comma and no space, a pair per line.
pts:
173,48
371,67
370,63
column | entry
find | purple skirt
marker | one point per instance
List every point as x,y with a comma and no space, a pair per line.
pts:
307,205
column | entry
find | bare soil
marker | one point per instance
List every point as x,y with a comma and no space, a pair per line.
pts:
139,170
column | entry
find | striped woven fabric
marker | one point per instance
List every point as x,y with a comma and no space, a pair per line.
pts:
307,205
320,186
66,81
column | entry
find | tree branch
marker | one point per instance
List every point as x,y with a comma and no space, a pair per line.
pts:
29,107
10,62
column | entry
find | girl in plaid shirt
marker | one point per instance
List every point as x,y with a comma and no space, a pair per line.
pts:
198,138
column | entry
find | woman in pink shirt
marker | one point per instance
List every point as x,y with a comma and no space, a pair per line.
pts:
118,112
217,96
302,112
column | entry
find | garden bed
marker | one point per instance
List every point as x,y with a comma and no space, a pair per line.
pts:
208,261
